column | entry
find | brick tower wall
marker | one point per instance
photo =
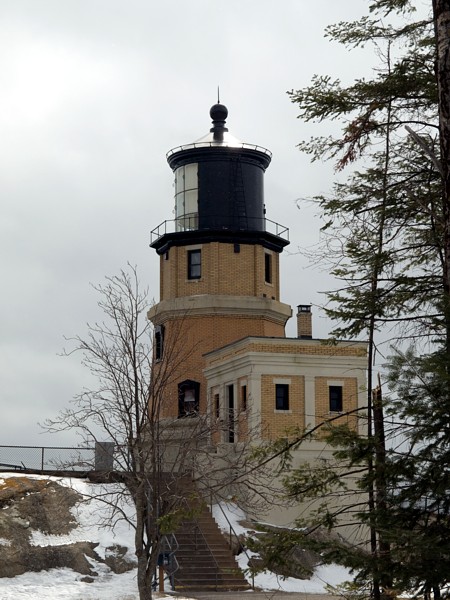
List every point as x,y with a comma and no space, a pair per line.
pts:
188,338
238,270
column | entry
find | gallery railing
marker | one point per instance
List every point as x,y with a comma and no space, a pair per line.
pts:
190,223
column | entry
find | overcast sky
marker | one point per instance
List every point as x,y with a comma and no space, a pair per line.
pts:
93,93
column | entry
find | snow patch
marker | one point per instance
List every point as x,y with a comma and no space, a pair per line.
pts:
65,584
225,513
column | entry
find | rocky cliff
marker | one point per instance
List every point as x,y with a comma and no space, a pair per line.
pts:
40,529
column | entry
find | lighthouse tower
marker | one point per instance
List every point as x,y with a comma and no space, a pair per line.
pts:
219,261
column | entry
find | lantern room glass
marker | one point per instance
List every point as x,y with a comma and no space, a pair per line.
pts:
186,197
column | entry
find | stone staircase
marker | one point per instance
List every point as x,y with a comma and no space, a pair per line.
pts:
204,555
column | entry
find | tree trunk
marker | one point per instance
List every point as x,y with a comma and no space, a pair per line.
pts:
382,583
144,578
380,484
441,15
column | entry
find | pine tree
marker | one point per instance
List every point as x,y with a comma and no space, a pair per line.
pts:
391,223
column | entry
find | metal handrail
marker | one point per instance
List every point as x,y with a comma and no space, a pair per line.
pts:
216,144
199,531
185,223
217,569
20,467
173,562
233,531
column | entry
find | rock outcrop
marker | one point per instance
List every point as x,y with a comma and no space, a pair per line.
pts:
30,505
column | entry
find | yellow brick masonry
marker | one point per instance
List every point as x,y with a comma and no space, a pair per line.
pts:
304,324
349,401
275,424
224,271
187,339
310,348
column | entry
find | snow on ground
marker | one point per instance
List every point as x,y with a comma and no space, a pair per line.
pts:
65,584
333,575
90,515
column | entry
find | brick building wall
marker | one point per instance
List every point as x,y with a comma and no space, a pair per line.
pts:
275,423
349,399
310,370
280,346
188,338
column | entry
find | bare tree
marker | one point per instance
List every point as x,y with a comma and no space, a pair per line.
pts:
118,353
162,462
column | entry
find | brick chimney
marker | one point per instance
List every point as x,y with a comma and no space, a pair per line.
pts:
304,322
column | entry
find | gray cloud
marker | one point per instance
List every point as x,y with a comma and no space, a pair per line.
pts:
93,94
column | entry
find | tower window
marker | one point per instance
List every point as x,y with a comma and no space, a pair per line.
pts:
194,264
268,267
159,342
281,396
188,398
335,397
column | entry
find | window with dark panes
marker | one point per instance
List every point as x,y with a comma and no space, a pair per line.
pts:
281,396
243,398
268,267
159,342
194,264
231,423
217,405
335,395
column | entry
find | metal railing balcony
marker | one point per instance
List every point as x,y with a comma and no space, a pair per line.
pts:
219,144
190,223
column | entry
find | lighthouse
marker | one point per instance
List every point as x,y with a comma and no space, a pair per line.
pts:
226,377
219,261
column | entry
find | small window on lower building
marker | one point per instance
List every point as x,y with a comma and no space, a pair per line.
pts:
231,419
217,405
281,396
194,264
243,398
335,396
188,398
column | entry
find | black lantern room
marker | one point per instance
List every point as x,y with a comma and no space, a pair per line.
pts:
219,192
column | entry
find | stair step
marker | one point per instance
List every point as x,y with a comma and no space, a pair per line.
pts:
205,577
212,588
210,580
193,551
221,571
205,560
